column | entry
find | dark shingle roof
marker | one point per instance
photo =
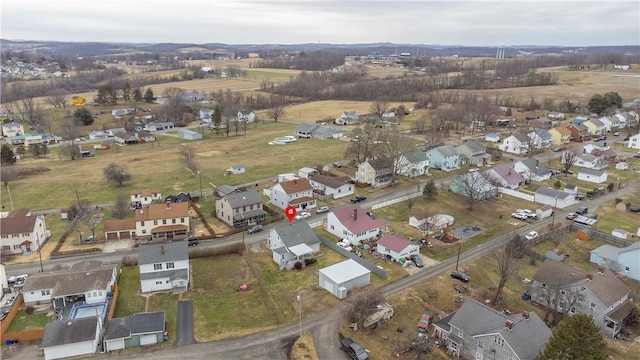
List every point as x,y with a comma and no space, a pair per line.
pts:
163,252
296,233
243,198
65,332
150,322
118,328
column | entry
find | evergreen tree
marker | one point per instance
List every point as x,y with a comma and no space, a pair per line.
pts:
430,191
126,92
137,95
148,96
83,115
7,156
577,337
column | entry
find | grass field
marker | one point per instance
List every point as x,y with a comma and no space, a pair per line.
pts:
23,322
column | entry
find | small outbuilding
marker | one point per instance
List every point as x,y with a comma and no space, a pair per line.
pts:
187,134
67,338
339,278
236,169
397,248
132,331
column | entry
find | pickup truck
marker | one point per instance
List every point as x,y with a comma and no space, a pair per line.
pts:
353,349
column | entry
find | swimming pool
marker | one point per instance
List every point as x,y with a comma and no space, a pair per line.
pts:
79,311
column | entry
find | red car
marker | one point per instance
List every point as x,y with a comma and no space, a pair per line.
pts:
425,321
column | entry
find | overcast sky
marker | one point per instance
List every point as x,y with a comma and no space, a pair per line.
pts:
570,23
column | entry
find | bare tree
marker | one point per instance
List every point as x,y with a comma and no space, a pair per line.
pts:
364,144
116,173
57,99
361,303
507,262
120,206
568,159
473,186
188,156
394,146
176,105
378,108
69,131
420,124
277,106
7,174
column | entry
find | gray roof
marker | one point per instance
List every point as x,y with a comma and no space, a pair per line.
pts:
330,181
607,252
162,252
474,146
65,332
535,166
381,164
344,271
527,338
446,150
243,198
306,128
73,281
149,322
118,328
171,274
553,192
588,171
226,189
523,138
296,233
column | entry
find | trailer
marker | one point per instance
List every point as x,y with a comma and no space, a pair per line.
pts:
584,220
383,312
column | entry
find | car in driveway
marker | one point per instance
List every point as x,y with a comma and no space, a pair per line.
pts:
193,242
358,199
255,229
530,214
322,210
345,244
417,261
353,349
425,320
571,216
457,274
519,216
579,197
531,235
303,215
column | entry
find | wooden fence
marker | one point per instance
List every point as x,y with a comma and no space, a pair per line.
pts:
17,303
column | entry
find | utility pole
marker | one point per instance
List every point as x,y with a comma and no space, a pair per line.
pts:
299,299
39,250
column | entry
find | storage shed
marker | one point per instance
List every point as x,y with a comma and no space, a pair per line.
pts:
187,134
339,278
66,338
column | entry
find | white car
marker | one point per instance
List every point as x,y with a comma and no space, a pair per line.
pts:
531,235
519,216
345,244
530,214
303,215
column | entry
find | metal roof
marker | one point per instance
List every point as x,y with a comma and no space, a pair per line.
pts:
344,271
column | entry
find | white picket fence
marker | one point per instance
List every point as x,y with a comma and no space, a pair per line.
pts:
395,201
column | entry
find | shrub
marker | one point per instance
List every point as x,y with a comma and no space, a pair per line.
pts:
610,187
308,262
298,265
557,184
30,310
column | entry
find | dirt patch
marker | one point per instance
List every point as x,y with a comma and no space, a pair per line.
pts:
237,274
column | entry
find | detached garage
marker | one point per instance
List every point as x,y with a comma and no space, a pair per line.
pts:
339,278
66,338
122,229
138,330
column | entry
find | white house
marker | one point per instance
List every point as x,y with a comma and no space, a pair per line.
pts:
168,221
554,197
292,242
339,278
246,116
12,129
634,142
67,338
591,175
164,266
354,224
22,233
412,164
297,193
330,187
348,118
206,115
532,170
492,137
540,139
396,248
590,161
236,170
516,144
144,198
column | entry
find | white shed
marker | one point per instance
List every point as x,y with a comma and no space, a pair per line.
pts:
339,278
619,233
236,169
592,175
189,134
553,197
66,338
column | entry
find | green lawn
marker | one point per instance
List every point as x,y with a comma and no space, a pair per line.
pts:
22,322
129,301
169,304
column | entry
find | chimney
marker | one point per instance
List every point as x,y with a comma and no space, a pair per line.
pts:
295,182
509,171
525,315
589,277
601,270
355,214
537,163
162,249
584,151
509,324
168,205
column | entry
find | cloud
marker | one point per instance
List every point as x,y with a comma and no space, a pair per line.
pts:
286,22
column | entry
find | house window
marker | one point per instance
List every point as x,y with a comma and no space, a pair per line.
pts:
572,310
170,265
479,356
164,221
46,292
498,340
157,266
460,334
480,345
144,231
141,223
155,222
182,220
158,282
173,221
16,246
592,306
95,294
626,269
6,247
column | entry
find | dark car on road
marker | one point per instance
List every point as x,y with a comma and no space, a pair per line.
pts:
358,199
353,349
579,197
457,274
193,242
634,210
417,261
255,229
582,210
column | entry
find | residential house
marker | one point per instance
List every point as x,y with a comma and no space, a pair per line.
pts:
86,150
623,261
560,135
12,129
540,139
516,144
592,175
239,208
120,229
396,248
492,137
193,96
532,170
140,329
634,142
178,198
68,338
246,116
33,140
539,124
589,161
473,153
317,131
90,281
376,172
579,132
348,118
579,120
628,119
473,185
330,187
158,126
121,112
297,193
307,172
291,243
476,331
595,126
354,224
504,175
143,198
611,123
554,115
236,170
444,157
339,278
599,294
429,223
554,197
206,115
98,135
164,266
166,221
187,134
126,138
22,233
413,164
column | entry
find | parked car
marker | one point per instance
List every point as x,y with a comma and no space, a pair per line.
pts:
345,244
472,170
337,164
353,349
617,133
519,216
322,210
425,321
634,209
457,274
571,216
582,210
531,235
3,315
303,215
579,197
255,229
417,261
17,280
358,199
193,242
530,214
